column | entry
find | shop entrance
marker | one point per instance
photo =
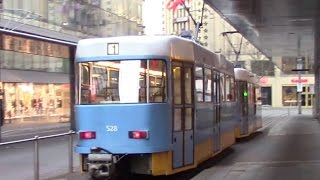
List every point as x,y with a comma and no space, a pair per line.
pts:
266,96
306,96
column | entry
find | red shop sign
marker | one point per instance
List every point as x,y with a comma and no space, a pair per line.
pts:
297,80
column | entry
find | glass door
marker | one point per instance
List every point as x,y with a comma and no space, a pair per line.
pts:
183,110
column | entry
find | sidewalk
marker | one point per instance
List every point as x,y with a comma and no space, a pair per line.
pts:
16,131
282,111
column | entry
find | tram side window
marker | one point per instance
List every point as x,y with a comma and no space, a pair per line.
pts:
258,95
249,94
157,81
177,85
207,85
252,94
214,87
188,85
233,93
222,87
124,81
199,83
229,88
85,83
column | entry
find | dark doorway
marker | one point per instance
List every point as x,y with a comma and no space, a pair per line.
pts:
266,96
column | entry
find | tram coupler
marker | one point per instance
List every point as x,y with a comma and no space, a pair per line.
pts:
101,165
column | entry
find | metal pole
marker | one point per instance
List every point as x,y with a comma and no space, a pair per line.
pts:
36,158
289,108
299,93
70,152
299,65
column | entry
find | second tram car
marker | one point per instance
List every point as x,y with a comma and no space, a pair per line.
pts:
155,105
249,110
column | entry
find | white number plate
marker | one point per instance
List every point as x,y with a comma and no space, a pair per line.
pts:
111,128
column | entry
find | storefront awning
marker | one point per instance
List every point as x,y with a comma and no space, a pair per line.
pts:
7,75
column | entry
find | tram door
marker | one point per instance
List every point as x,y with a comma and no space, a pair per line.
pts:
216,111
183,110
244,129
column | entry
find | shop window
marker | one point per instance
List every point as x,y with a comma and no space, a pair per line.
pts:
289,95
38,102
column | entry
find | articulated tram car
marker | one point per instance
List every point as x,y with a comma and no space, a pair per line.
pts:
249,109
154,105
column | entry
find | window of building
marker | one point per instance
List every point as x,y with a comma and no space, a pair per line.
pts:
240,64
29,101
289,63
262,68
289,95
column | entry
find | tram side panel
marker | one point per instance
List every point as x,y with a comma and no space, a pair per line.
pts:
228,123
204,117
258,108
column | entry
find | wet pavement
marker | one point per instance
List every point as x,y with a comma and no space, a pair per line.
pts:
287,148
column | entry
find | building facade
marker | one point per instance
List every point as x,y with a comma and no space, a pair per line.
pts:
278,82
35,73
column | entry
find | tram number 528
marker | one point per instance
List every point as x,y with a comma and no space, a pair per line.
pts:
112,128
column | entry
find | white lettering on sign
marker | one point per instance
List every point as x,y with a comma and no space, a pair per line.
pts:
111,128
113,48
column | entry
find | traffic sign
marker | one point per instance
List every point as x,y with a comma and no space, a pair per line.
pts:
299,87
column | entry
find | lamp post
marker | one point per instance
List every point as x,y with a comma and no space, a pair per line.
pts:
299,68
299,87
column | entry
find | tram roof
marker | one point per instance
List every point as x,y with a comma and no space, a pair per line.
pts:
170,46
245,75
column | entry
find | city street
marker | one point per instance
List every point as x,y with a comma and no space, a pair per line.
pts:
159,85
280,146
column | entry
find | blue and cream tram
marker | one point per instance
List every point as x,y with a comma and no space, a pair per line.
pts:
156,104
249,119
